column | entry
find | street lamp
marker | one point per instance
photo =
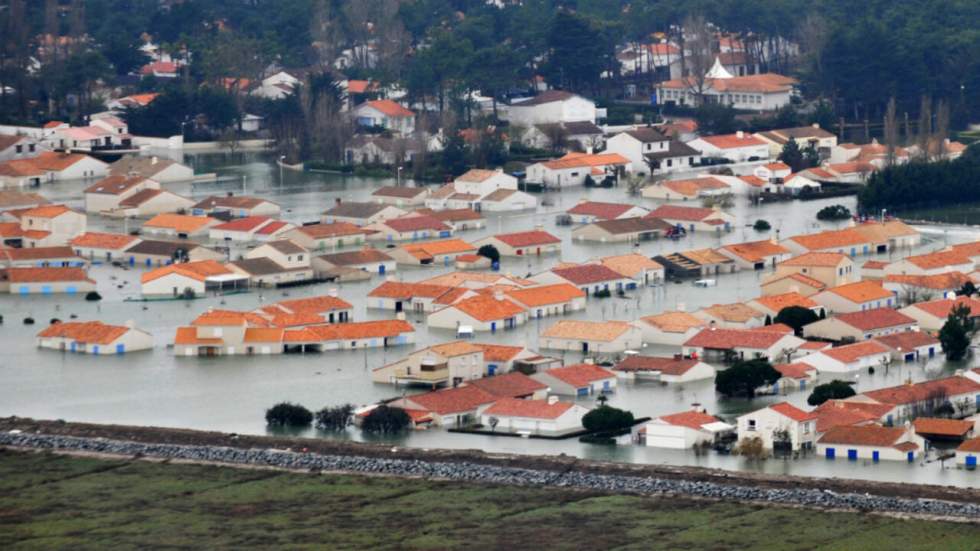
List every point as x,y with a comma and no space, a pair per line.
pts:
282,159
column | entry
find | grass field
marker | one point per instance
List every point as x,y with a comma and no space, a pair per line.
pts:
56,502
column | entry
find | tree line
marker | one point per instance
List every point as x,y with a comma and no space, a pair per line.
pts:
917,183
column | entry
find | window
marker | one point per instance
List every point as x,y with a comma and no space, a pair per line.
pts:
751,425
31,147
806,428
19,149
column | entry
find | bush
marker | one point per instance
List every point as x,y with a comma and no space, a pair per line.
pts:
833,213
607,418
489,251
602,293
93,296
834,390
386,420
761,225
752,448
743,378
335,418
796,317
286,414
188,294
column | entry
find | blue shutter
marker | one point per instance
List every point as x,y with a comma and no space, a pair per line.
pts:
830,453
120,349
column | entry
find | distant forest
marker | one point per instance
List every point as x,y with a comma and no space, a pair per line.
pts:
856,54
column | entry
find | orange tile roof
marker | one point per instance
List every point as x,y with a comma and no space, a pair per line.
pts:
735,312
606,331
38,275
50,160
91,332
229,318
182,223
46,211
455,348
580,375
499,352
853,352
336,229
531,409
971,445
546,294
317,305
97,240
596,160
939,259
907,340
487,308
630,265
390,108
188,335
403,290
443,247
835,413
39,253
799,278
939,282
861,291
199,270
675,322
667,366
830,239
693,187
756,251
733,141
942,427
776,303
604,211
677,212
362,330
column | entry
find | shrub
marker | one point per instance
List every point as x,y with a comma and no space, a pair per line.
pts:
335,418
188,294
751,448
761,225
834,390
93,296
607,418
489,251
602,293
796,317
286,414
834,212
386,420
743,378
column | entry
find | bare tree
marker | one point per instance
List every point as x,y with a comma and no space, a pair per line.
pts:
697,55
925,126
942,129
891,132
325,32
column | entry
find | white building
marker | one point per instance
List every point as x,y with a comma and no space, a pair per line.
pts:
780,422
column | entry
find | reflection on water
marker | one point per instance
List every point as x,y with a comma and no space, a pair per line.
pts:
232,393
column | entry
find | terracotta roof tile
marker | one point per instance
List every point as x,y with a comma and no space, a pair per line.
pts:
863,435
453,400
941,308
546,294
179,222
816,259
509,385
603,211
390,108
942,427
487,308
777,302
527,238
907,340
756,251
917,392
851,353
90,332
38,275
97,240
875,318
861,291
605,331
690,419
586,274
729,339
675,322
531,409
667,366
789,410
499,352
677,212
580,375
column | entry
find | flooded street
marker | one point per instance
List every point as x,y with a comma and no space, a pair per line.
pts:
231,393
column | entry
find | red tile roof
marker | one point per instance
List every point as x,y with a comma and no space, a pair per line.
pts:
532,409
942,427
580,375
586,274
789,410
509,385
527,238
676,212
546,294
98,240
732,141
247,224
917,392
875,318
499,352
728,339
690,419
39,275
863,435
941,308
853,352
604,211
907,340
667,366
796,370
453,400
390,108
834,413
860,292
486,308
416,223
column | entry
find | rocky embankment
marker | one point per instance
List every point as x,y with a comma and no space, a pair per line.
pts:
589,477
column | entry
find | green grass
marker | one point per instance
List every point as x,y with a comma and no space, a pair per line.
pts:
55,502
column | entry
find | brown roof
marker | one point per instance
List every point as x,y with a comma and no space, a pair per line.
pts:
509,385
580,375
453,400
604,211
141,197
587,330
667,366
586,274
675,322
402,192
728,339
633,225
690,419
38,275
355,258
534,409
875,318
547,96
942,427
917,392
907,340
527,238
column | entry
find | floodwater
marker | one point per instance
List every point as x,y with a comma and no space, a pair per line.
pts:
231,393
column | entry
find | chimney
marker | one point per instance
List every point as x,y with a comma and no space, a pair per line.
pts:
400,316
739,134
816,125
332,292
539,227
589,361
498,294
552,400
